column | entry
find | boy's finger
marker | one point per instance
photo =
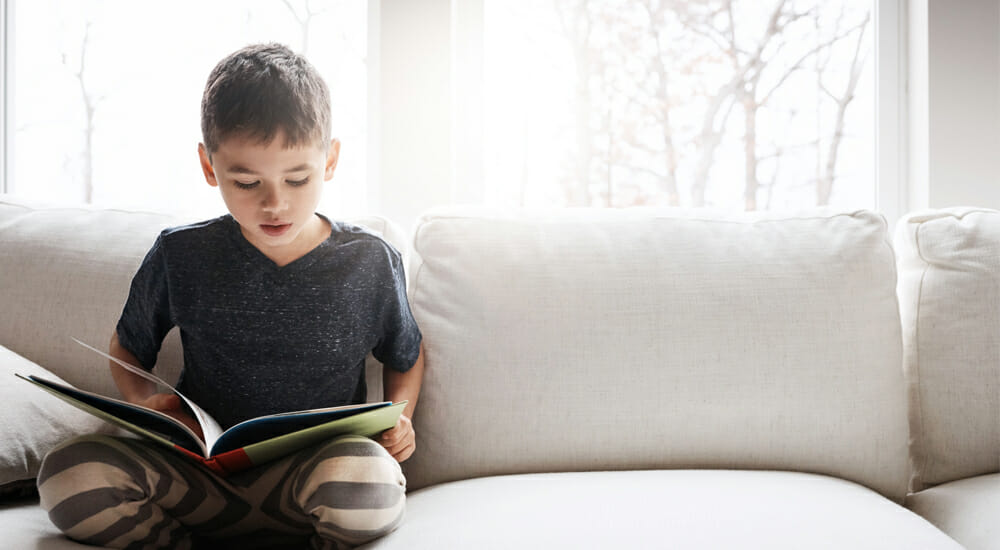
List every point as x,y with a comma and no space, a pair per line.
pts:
162,402
171,402
404,453
399,443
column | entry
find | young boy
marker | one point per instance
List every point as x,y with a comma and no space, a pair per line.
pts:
278,307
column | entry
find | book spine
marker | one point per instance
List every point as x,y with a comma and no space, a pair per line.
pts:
230,462
221,465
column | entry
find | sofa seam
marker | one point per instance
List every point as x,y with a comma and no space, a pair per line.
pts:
421,263
660,216
887,242
918,445
942,214
93,208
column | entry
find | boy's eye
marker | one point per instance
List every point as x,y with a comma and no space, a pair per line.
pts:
242,185
296,183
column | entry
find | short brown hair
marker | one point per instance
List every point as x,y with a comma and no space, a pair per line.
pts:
260,90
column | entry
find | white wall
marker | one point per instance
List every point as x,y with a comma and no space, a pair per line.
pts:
954,117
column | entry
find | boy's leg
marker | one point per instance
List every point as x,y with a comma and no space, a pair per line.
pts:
350,489
123,492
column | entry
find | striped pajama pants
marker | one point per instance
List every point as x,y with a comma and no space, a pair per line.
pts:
123,492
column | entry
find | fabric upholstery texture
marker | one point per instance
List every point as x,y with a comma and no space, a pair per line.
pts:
611,340
677,509
26,525
967,509
614,340
949,288
66,274
32,422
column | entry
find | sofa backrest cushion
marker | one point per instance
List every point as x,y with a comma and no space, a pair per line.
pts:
609,340
949,293
65,272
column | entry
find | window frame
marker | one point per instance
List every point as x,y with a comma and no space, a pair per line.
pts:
891,109
6,94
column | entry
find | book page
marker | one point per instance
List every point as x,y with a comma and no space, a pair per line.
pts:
137,419
209,427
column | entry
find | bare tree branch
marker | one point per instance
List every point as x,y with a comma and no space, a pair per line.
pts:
90,105
805,57
825,185
304,22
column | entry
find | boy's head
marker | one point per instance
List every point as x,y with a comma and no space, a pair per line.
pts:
260,91
265,118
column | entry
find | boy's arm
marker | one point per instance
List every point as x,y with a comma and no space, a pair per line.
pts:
138,390
133,387
400,440
399,386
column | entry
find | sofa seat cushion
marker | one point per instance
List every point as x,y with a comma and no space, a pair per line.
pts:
968,510
25,525
630,509
659,508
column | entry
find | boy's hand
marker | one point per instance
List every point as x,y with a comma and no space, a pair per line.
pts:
170,404
400,440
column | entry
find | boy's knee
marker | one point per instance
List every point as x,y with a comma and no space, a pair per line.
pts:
354,490
350,458
97,490
88,474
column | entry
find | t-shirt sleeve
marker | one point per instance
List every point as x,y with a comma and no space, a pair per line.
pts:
399,345
146,318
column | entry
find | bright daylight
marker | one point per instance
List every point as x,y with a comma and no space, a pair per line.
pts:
734,105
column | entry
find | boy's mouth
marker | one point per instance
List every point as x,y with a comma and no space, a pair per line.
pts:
275,229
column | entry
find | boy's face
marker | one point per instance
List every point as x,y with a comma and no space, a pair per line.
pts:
272,191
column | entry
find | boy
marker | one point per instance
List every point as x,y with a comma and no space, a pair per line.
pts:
277,307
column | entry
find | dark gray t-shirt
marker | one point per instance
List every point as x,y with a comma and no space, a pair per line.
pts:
261,339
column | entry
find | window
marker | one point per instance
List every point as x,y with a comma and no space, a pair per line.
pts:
106,95
730,104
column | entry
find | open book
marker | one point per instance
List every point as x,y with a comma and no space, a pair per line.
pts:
247,444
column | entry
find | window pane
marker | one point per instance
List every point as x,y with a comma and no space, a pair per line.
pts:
730,104
107,94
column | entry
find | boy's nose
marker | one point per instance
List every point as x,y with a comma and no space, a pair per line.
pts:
274,201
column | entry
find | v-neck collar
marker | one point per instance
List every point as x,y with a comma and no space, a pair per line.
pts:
261,260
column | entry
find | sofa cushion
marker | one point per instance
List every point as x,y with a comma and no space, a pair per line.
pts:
949,294
968,510
66,273
631,339
675,509
659,509
32,423
25,525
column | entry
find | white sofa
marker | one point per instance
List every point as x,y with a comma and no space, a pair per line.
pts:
616,379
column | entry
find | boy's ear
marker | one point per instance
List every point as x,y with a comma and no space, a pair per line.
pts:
331,159
206,166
